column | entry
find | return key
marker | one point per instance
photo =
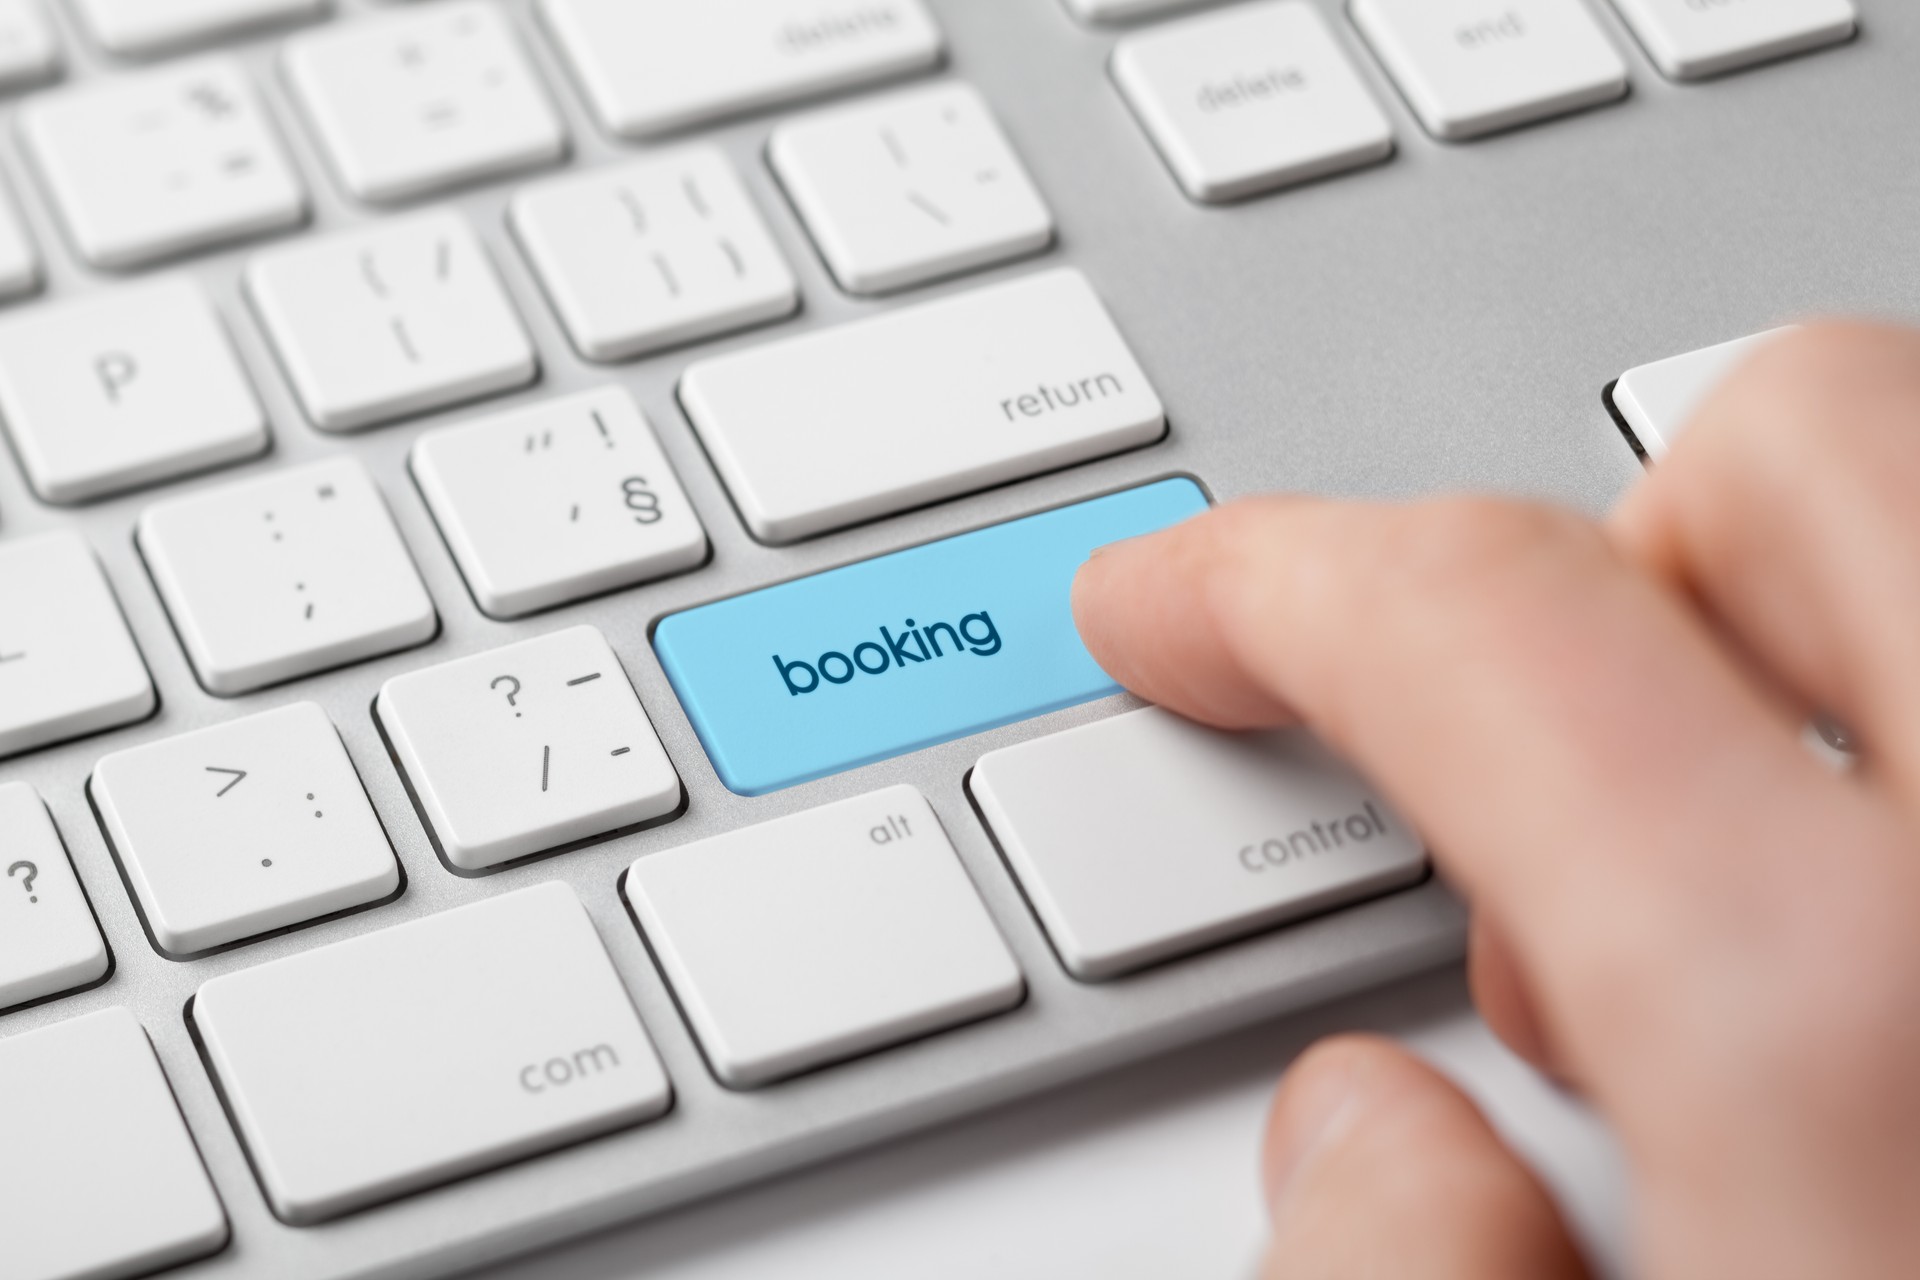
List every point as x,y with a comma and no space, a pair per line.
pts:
844,425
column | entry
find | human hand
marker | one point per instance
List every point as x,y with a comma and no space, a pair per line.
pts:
1677,909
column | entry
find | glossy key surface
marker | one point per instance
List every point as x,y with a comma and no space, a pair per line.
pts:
879,658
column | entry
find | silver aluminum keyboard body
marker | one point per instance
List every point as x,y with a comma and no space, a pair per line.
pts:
1444,321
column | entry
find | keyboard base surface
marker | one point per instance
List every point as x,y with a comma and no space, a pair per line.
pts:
1443,321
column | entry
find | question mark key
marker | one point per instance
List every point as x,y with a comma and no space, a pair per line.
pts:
527,749
49,942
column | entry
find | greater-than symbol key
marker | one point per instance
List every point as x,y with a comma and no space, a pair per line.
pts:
239,776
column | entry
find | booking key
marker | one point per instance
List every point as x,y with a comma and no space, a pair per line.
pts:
880,658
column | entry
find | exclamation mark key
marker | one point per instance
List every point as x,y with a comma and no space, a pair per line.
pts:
558,501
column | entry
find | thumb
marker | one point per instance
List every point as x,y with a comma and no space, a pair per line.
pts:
1380,1169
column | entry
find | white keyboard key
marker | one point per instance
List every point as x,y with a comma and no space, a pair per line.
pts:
434,1049
653,254
906,408
527,748
910,188
1120,10
1147,836
115,390
49,942
1695,39
138,28
19,259
278,577
68,667
822,935
1251,98
401,318
159,163
98,1173
29,49
249,826
415,102
553,503
1659,399
653,66
1472,67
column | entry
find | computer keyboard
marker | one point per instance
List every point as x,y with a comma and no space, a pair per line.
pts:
536,678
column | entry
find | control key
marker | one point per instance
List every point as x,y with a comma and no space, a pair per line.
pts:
1146,836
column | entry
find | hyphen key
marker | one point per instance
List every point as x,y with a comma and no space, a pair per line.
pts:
883,657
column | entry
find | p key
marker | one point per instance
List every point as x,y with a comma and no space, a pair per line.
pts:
122,389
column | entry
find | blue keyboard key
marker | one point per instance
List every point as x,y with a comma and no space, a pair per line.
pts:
883,657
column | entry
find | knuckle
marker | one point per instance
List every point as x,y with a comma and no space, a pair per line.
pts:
1805,388
1842,978
1839,350
1462,550
1246,522
1822,418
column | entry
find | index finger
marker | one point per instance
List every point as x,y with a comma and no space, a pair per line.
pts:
1580,750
